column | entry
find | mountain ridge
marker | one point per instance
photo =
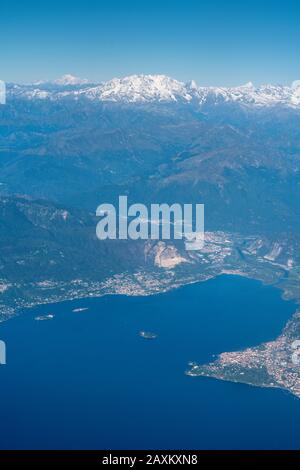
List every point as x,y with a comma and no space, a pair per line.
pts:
157,88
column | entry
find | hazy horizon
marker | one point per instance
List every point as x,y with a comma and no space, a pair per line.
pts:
99,81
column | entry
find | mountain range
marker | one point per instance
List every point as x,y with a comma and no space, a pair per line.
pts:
68,145
157,88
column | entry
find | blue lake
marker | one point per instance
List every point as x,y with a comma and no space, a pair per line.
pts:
88,380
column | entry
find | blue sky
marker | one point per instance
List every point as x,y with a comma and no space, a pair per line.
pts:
214,42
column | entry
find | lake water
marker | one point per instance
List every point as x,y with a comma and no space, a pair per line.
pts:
88,380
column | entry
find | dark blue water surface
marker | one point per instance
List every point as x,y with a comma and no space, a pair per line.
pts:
87,380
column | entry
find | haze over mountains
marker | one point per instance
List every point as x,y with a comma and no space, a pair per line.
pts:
67,146
154,138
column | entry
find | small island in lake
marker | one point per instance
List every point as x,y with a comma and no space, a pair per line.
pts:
147,335
44,317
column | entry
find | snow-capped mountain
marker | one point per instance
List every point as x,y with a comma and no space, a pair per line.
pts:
68,79
63,81
158,88
248,94
141,88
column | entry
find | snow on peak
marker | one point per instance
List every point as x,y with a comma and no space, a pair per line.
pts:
192,85
143,88
296,85
247,85
68,79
